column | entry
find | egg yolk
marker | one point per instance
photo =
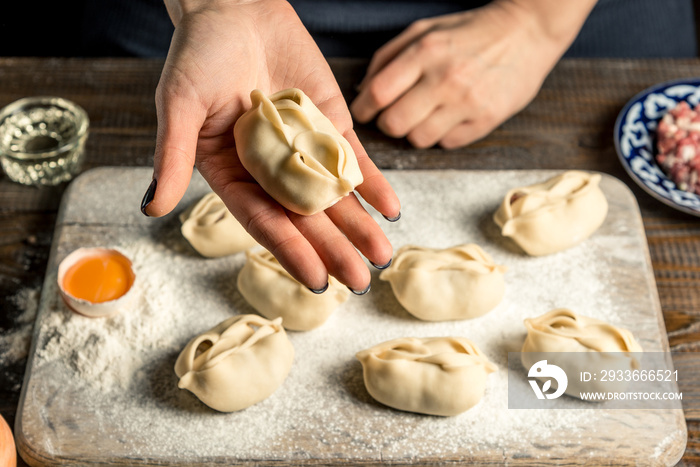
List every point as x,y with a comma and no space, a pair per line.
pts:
99,278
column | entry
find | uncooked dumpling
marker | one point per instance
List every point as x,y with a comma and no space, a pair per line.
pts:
237,364
554,215
295,153
273,292
580,344
212,230
461,282
436,376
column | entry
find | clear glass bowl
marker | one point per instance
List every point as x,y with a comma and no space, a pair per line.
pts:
42,140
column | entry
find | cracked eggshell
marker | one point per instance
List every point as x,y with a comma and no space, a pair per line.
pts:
95,309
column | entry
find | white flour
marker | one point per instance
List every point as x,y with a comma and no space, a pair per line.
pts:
14,344
115,357
121,368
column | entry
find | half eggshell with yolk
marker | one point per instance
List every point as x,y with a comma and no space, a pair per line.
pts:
96,282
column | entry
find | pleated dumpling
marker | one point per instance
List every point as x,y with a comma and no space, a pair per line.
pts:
461,282
295,153
554,215
273,292
436,376
212,230
236,364
579,344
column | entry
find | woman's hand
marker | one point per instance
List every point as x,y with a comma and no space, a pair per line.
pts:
221,50
451,79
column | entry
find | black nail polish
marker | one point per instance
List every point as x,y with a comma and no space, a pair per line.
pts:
148,197
393,219
381,266
321,290
361,292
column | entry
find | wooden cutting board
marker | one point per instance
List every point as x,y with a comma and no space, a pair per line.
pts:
102,391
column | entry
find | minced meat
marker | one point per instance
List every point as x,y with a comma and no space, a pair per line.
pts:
678,143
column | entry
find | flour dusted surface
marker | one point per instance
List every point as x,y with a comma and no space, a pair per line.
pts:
14,345
121,369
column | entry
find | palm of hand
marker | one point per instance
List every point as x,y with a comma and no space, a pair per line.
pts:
221,70
215,60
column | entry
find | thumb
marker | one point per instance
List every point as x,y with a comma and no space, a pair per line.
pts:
179,122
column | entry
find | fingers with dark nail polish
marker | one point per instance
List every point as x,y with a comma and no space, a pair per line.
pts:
148,197
381,266
393,219
361,292
321,290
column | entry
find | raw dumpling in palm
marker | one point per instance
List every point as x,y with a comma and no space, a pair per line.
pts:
295,153
435,376
212,230
461,282
554,215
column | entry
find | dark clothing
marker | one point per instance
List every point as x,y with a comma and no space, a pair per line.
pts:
615,28
139,28
638,29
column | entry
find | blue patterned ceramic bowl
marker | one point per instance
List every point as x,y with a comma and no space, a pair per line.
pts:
635,140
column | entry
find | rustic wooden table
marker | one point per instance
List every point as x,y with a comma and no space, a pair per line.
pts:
568,126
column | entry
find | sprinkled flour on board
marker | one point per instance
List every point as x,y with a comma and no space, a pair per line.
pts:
120,370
